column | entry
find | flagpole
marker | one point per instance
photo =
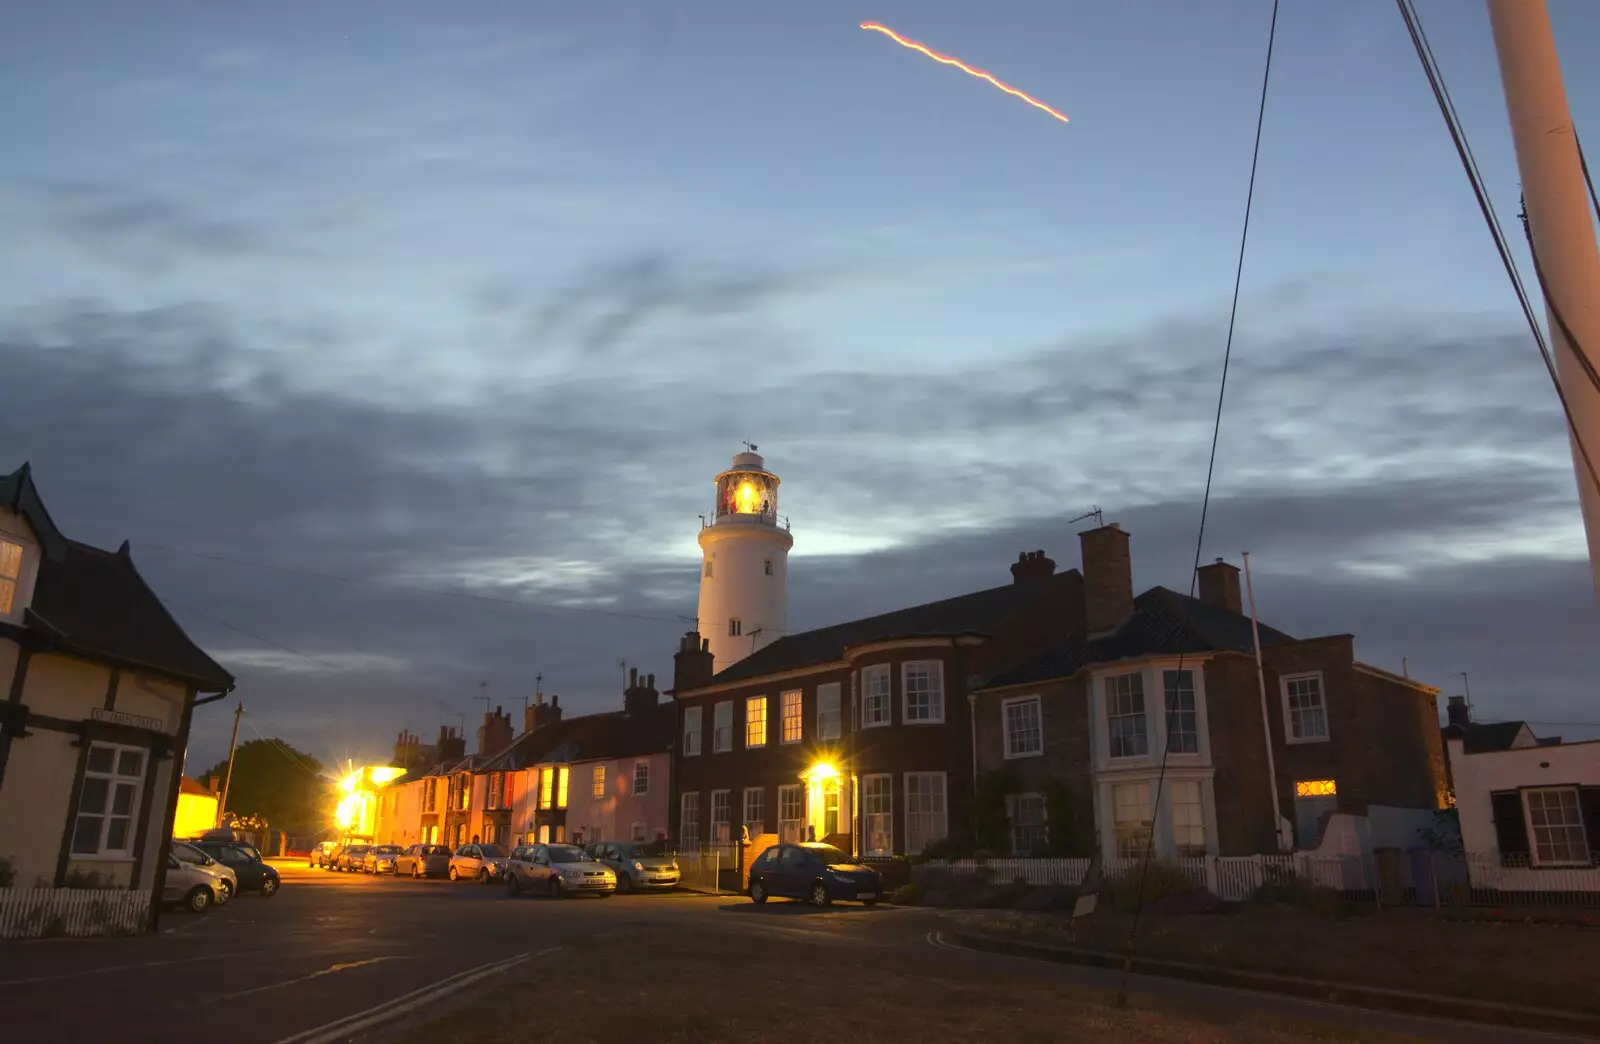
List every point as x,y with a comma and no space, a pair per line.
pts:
1266,722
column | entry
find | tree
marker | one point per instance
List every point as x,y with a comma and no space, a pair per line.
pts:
282,785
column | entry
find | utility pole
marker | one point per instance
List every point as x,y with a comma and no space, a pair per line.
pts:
1560,223
227,780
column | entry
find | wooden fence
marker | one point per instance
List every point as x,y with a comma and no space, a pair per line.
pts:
33,913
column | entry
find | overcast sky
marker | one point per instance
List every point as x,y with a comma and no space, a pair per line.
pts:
474,299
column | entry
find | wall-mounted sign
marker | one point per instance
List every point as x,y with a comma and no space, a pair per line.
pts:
116,717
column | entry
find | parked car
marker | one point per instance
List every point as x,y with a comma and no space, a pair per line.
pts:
481,863
351,858
817,873
381,859
322,854
227,879
254,873
636,869
189,885
423,861
557,871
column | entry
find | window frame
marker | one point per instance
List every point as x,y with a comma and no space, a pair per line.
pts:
688,839
563,780
11,584
1288,713
745,818
798,717
835,717
885,813
1149,822
887,696
726,822
719,745
786,790
1013,802
1180,849
944,812
1585,857
1005,726
1142,715
935,670
1168,715
750,724
694,726
597,781
114,779
641,777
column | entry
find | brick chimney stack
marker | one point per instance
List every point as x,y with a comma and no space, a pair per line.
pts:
495,733
452,745
691,664
1032,565
1219,586
541,714
641,695
1456,711
407,749
1107,578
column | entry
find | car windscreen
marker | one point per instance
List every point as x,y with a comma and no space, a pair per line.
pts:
492,851
387,850
189,853
568,854
831,856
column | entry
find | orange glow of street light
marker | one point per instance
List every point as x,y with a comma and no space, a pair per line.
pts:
945,59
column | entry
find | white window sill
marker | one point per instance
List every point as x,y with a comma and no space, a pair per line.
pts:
789,743
1029,754
117,857
1309,739
924,721
876,724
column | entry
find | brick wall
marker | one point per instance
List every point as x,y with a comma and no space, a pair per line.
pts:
1064,713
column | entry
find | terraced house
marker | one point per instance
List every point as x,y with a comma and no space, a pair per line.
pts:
101,684
1151,726
859,733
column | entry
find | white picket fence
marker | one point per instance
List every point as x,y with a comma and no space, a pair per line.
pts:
31,913
1232,878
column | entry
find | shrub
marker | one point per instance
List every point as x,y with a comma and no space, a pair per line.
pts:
8,872
906,894
91,879
1156,880
1299,892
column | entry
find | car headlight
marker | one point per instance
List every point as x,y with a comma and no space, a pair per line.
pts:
638,866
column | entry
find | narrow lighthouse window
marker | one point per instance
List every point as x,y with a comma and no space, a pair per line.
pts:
769,567
735,628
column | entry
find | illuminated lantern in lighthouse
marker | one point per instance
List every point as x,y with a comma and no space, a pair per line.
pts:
744,576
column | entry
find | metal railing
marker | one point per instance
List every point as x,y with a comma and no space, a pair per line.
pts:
758,518
714,869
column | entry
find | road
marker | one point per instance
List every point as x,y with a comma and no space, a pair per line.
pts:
331,947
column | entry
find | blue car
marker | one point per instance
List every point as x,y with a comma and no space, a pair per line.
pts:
817,873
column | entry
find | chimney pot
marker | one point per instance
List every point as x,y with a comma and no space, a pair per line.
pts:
633,677
1456,711
1030,566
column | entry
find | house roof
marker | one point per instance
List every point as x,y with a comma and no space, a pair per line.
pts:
189,786
979,612
94,602
589,737
1164,623
1484,737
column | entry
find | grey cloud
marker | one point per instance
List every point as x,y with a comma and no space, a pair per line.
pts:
140,225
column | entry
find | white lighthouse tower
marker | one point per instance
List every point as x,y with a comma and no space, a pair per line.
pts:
744,577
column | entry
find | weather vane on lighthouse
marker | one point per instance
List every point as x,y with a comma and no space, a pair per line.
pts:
750,445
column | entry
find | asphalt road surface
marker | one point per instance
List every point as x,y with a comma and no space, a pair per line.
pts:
342,957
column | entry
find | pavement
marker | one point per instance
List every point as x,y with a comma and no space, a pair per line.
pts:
345,957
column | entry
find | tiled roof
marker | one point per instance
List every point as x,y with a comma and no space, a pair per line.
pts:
980,612
1485,737
189,786
95,602
589,737
1164,623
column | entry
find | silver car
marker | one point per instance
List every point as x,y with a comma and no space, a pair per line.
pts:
227,880
636,871
423,861
481,863
557,871
190,885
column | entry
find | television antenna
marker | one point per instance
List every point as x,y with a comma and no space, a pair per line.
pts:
1094,512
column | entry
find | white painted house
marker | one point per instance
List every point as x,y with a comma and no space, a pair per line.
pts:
1529,808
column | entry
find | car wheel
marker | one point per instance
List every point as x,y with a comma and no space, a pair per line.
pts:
513,886
758,892
269,888
416,871
555,888
624,882
224,893
453,875
607,895
483,875
819,894
198,900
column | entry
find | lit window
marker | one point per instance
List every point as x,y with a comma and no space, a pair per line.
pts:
708,568
109,801
722,728
829,719
922,689
1188,819
720,830
1023,727
1556,825
755,811
641,778
755,721
1183,729
1029,834
1316,788
875,696
692,732
10,574
1131,813
793,716
877,805
547,783
925,810
1124,697
561,788
791,813
1304,710
599,788
689,822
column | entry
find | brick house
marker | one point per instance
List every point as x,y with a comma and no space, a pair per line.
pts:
1163,677
858,733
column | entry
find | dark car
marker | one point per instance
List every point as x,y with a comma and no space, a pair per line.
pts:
351,857
253,872
817,873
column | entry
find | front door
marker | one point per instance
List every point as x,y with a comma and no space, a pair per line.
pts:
827,810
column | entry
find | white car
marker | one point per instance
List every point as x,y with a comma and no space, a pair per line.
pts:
556,871
227,880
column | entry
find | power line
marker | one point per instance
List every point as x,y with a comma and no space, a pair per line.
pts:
1205,502
442,592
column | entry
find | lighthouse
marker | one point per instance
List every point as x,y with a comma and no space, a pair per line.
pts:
744,573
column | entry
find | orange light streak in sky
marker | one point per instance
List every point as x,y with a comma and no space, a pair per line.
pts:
945,59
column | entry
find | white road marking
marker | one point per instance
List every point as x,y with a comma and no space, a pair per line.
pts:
330,970
342,1029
